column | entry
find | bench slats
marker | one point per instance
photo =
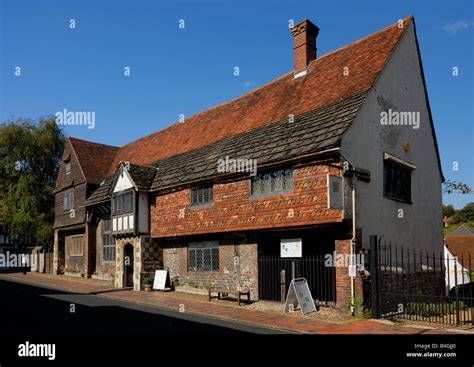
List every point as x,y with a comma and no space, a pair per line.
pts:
221,291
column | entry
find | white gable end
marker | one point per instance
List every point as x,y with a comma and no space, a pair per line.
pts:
368,143
124,182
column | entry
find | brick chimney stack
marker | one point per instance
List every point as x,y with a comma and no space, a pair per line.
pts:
304,34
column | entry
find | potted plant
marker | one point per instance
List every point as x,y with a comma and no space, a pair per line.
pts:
175,282
147,282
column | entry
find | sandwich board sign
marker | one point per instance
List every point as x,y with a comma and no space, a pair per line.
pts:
299,293
159,282
291,247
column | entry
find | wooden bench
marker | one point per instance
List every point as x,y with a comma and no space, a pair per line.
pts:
223,293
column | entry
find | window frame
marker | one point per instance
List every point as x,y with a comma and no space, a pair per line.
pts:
68,194
204,204
197,250
274,177
75,247
118,201
395,192
108,242
67,163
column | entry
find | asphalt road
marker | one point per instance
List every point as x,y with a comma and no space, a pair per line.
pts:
35,311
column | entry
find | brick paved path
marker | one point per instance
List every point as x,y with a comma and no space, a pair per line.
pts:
173,301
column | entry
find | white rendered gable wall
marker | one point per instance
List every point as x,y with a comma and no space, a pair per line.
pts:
367,142
124,182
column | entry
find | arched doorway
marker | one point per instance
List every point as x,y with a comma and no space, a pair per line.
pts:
128,265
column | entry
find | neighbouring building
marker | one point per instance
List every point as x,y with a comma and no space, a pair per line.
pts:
462,230
340,148
82,169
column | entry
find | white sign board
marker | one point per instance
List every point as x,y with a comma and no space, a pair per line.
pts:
299,293
291,247
352,271
160,279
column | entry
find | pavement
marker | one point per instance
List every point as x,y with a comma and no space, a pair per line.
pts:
174,306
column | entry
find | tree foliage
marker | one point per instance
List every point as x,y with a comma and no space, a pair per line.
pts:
448,210
30,154
465,214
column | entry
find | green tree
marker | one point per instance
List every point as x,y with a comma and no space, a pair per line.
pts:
448,210
465,214
30,154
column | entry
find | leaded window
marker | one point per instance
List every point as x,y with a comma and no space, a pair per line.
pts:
203,256
272,182
75,245
122,203
202,195
109,243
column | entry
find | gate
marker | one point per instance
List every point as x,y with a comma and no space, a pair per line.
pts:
48,262
416,285
275,274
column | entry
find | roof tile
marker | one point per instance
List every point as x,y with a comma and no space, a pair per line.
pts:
324,84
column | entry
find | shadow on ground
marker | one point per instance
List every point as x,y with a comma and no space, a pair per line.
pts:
35,311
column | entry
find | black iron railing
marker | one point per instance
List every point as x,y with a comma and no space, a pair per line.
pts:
418,285
276,273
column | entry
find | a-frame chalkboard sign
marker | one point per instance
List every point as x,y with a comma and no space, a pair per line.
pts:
299,293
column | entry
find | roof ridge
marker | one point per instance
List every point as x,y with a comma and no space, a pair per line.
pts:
408,18
93,142
139,165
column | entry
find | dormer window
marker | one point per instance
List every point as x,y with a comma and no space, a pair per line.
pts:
67,166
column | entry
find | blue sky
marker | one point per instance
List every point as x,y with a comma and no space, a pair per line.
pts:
184,71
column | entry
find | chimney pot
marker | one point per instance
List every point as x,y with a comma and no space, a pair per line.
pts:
304,35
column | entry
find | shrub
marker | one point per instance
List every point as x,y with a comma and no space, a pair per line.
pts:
147,280
358,305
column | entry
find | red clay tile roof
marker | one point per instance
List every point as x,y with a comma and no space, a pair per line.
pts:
461,246
95,159
324,84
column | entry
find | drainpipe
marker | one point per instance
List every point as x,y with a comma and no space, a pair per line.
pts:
353,240
352,247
